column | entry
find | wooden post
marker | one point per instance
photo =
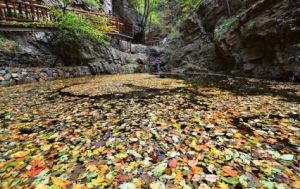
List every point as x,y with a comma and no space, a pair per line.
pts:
31,10
1,10
20,10
8,13
26,11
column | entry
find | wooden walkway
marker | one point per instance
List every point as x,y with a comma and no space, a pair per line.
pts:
18,15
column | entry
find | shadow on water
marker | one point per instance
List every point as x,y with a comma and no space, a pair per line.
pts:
243,86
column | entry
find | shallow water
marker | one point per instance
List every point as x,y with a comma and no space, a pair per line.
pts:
191,130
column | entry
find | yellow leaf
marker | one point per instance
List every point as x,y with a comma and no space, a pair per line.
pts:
238,135
99,150
120,147
137,183
179,176
176,126
79,186
99,180
46,147
60,182
223,185
20,154
296,184
121,155
41,186
92,168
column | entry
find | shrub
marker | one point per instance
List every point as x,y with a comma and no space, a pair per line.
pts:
73,28
9,45
224,27
94,4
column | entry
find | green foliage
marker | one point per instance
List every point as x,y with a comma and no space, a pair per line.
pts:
187,7
173,33
251,25
9,45
94,4
224,27
83,29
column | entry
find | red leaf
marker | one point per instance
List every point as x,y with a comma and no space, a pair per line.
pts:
35,171
172,163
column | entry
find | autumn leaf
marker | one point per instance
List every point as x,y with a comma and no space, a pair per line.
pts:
60,182
127,186
20,154
79,186
223,185
227,171
157,185
172,163
35,170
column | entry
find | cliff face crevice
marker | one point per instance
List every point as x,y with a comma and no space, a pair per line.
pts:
264,41
259,38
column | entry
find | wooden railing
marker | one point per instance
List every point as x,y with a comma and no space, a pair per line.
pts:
118,25
14,12
22,11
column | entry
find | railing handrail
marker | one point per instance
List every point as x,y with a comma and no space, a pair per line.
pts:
30,11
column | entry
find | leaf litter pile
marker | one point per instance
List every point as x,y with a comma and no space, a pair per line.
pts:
138,131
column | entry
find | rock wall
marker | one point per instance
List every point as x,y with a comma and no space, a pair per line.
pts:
191,51
14,75
259,38
38,60
264,41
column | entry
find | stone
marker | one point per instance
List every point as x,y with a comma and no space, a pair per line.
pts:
8,82
248,67
2,78
2,72
15,75
7,76
138,48
48,72
43,75
34,76
24,73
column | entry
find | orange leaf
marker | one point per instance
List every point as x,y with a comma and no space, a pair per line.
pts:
227,171
60,182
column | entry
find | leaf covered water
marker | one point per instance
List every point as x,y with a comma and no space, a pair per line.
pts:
134,131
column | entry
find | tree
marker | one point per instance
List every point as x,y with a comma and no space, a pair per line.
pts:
143,7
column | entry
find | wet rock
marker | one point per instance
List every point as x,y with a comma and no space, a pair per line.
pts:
2,72
249,67
15,75
7,76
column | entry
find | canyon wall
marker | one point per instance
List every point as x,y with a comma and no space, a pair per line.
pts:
259,38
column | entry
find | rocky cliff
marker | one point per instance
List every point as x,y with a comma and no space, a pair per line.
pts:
264,40
258,38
